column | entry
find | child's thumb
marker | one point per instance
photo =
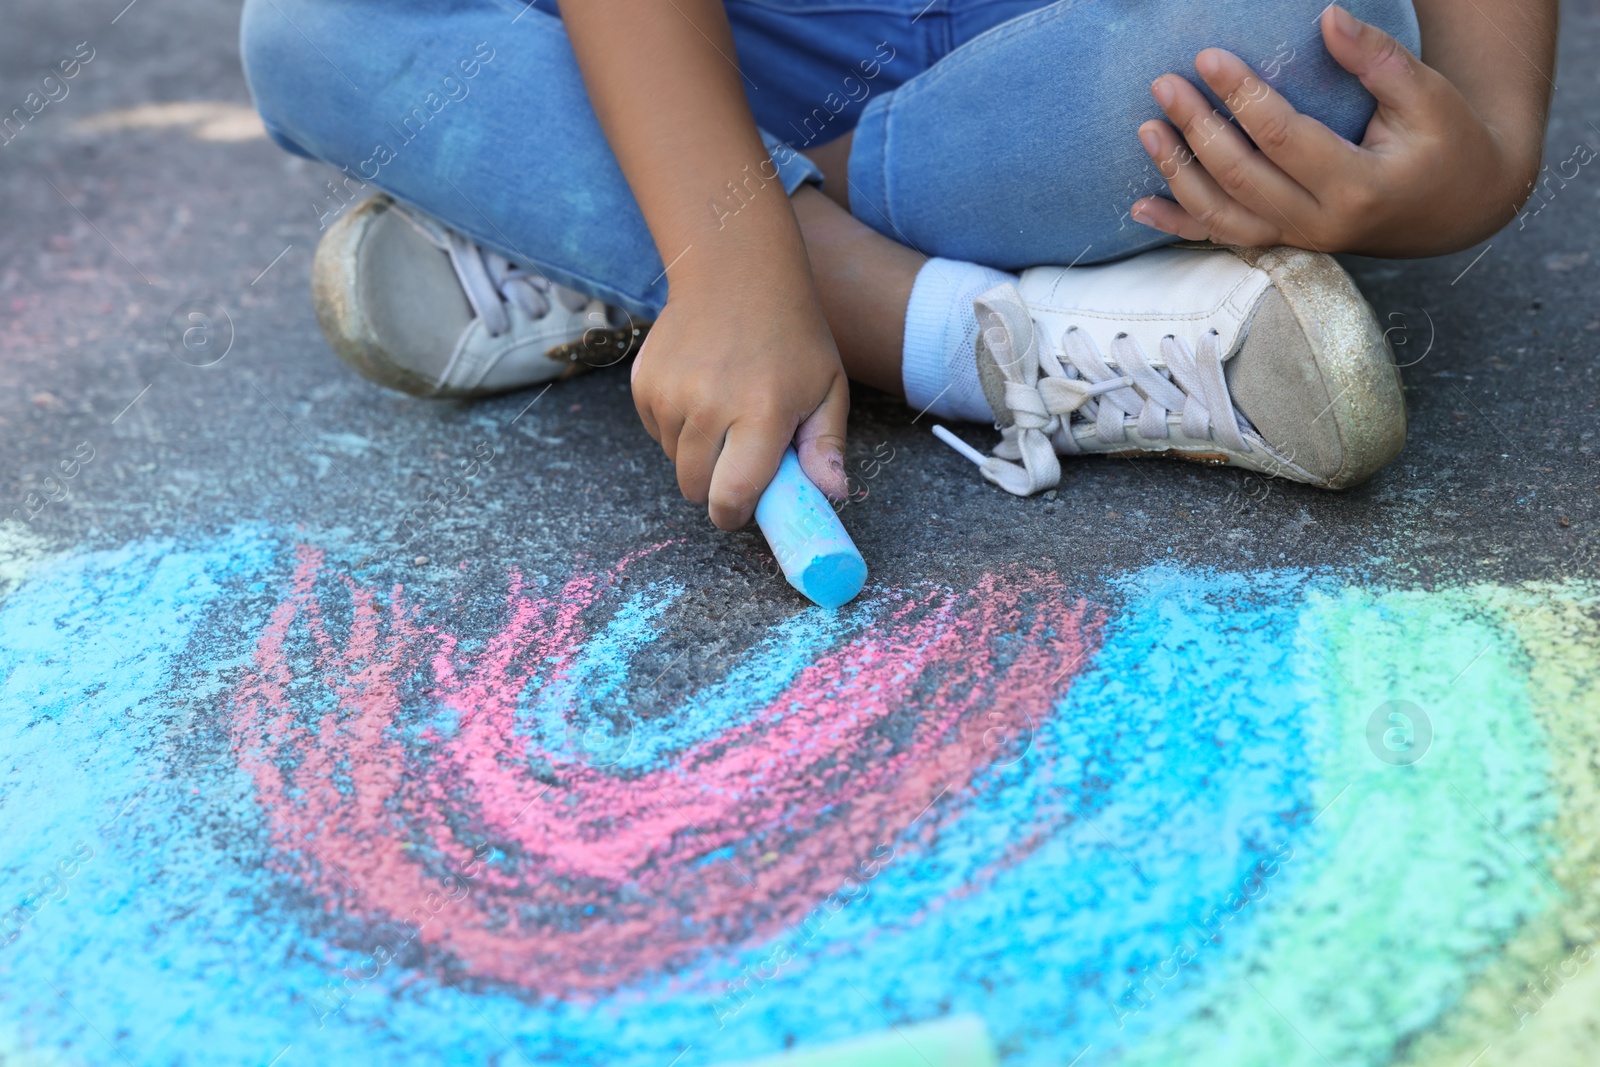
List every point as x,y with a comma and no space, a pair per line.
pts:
1384,65
819,441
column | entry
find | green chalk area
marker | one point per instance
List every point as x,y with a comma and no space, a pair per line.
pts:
959,1041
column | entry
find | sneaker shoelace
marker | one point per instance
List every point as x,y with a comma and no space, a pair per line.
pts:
493,284
1051,397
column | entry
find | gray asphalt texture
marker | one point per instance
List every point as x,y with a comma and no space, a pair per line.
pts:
107,234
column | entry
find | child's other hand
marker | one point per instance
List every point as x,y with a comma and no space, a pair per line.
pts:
736,367
1430,176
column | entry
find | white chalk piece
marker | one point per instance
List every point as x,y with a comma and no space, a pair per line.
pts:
978,459
810,542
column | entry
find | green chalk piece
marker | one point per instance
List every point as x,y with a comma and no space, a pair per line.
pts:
959,1041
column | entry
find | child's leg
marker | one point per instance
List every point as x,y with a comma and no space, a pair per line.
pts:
864,280
985,158
519,164
474,112
1020,148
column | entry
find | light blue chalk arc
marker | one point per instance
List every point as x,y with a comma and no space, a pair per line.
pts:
806,536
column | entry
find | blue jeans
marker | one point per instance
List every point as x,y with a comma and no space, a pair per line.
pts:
996,131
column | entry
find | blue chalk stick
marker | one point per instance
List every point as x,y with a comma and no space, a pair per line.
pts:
816,554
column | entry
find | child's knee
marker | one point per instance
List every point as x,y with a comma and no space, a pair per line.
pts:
1315,83
276,63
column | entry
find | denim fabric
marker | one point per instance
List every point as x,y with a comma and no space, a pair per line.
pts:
1020,147
999,131
812,65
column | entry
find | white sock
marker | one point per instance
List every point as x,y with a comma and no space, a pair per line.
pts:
937,364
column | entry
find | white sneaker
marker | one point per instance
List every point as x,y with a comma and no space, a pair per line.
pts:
411,304
1266,358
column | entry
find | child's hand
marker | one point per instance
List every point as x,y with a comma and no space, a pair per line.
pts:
736,367
1430,176
740,361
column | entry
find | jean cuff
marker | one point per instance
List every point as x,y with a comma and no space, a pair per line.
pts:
794,169
869,193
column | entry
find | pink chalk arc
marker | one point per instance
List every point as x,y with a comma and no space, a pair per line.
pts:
602,877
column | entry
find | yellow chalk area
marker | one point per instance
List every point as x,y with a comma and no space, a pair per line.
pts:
1538,1004
204,120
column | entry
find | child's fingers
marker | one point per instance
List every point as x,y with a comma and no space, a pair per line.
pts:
648,418
695,456
1390,72
644,398
749,459
1230,162
662,419
1222,218
820,440
1307,152
1162,214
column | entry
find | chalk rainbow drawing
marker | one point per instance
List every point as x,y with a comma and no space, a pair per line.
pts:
1151,827
601,877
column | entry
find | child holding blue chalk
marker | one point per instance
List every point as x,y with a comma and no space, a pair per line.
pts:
974,203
